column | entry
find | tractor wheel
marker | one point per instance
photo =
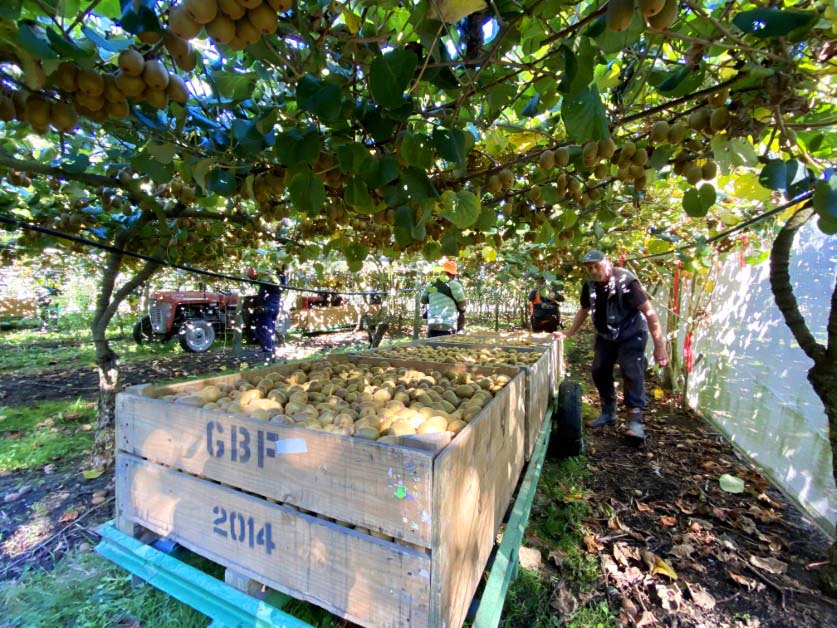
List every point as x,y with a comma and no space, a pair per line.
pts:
196,336
142,331
566,438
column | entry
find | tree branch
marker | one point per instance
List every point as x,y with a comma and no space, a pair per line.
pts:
780,284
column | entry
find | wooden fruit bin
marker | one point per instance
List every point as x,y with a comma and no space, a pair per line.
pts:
538,376
254,496
515,340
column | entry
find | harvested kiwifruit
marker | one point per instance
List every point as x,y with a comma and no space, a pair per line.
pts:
665,18
649,8
90,83
176,89
202,11
249,4
232,9
221,30
263,19
659,132
155,75
66,77
131,62
63,116
182,24
619,14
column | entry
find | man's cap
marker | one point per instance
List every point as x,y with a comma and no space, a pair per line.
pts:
592,257
449,266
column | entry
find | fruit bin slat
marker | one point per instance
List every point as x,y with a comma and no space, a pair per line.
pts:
538,373
177,475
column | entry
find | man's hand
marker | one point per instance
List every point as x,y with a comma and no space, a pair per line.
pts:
660,355
559,335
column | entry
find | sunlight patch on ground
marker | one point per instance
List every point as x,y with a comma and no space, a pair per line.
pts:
26,536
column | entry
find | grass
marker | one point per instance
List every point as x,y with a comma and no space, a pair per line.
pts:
86,591
561,508
32,436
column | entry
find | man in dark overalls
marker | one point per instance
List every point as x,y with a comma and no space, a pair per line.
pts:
622,316
267,303
544,308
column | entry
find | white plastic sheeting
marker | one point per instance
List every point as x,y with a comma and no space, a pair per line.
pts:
749,375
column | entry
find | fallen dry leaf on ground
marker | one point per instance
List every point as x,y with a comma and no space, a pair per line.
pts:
593,546
68,516
683,551
700,596
647,619
770,565
562,600
744,581
643,507
667,521
670,597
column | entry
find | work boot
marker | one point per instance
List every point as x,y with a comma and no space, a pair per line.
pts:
607,416
635,428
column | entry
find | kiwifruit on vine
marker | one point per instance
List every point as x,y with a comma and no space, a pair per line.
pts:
233,23
658,15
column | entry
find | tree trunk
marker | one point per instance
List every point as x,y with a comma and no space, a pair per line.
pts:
823,374
107,362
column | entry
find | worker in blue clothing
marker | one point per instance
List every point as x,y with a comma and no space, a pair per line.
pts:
268,303
623,317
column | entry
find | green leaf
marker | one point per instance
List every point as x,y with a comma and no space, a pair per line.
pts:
91,474
416,151
611,41
731,483
771,22
32,42
450,144
162,152
221,182
418,184
431,251
450,244
390,74
461,208
320,98
356,194
774,175
355,255
353,157
584,116
404,224
200,170
296,147
111,45
139,16
694,202
825,199
656,246
235,86
249,140
146,163
660,156
307,192
378,172
10,9
66,48
487,219
827,225
544,233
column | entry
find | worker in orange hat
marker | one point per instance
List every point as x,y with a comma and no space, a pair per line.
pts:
445,300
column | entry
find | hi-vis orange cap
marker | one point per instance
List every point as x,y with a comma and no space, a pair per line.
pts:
449,266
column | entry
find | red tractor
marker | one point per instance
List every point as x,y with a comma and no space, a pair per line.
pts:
195,317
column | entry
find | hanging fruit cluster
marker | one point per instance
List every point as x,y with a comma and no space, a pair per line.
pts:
659,15
233,23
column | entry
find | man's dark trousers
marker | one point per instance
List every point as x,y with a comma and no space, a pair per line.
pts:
265,331
630,353
434,333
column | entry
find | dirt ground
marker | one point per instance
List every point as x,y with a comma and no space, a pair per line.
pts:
674,548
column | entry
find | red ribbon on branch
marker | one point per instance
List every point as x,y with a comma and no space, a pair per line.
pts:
676,289
688,360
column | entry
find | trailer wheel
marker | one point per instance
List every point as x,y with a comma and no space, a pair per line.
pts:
566,438
196,336
143,331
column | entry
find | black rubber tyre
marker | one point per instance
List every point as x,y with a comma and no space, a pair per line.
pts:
142,331
567,438
196,336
